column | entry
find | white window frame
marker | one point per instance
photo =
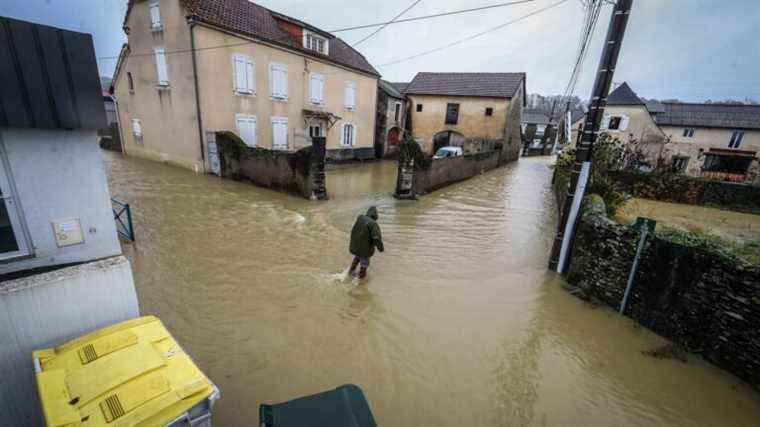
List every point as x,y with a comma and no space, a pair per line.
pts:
244,78
736,139
162,69
280,121
137,128
154,12
343,142
310,42
317,98
15,214
248,118
350,101
278,67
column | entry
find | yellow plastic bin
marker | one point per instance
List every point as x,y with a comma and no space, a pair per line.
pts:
130,374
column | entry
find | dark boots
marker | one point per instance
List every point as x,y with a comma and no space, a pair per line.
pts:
354,264
363,272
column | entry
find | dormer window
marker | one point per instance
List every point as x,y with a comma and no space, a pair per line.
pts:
316,43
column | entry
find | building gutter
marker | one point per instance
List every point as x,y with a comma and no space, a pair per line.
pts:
198,112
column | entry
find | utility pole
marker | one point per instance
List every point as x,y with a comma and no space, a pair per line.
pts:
607,63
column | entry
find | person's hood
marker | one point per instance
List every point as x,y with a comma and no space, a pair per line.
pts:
372,213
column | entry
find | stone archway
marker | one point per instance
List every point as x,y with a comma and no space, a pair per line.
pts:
448,138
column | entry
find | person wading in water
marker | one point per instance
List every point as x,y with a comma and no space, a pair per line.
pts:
365,237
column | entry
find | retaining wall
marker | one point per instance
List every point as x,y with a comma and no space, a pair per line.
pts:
300,172
693,296
46,309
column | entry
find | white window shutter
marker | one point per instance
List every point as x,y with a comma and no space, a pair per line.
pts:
279,133
155,14
624,122
250,76
350,95
136,127
240,73
605,122
246,127
161,71
353,135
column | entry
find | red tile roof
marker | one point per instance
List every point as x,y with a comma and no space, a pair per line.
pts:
249,19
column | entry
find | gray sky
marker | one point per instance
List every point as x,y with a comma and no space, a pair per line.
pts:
688,49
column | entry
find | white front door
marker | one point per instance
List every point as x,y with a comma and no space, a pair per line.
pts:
13,242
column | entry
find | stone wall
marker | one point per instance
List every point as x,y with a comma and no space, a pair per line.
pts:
300,172
696,297
679,188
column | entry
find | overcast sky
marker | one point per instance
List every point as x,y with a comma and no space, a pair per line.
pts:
688,49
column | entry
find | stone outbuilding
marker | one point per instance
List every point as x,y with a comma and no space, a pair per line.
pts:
390,121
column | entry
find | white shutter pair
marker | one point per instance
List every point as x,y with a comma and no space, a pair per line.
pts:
278,80
279,133
605,122
155,15
317,88
161,70
348,135
244,72
624,120
246,128
136,127
350,95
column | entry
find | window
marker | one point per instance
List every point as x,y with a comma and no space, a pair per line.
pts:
348,137
13,241
680,163
614,123
278,80
161,71
350,95
397,112
736,139
136,128
130,83
246,129
243,74
419,108
489,111
452,114
279,133
155,16
688,133
315,43
316,131
317,88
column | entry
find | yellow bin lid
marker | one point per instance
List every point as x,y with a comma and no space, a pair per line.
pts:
130,374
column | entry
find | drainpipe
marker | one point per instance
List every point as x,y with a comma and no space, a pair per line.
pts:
191,23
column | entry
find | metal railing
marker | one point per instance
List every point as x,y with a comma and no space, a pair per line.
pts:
122,213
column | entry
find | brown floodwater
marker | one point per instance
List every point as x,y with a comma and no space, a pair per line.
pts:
458,323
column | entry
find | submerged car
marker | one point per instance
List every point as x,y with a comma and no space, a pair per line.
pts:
448,152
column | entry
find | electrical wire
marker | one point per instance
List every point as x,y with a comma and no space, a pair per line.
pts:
482,33
389,23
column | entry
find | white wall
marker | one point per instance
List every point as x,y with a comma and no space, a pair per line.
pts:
44,310
59,174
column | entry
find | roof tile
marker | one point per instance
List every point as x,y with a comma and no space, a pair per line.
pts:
492,85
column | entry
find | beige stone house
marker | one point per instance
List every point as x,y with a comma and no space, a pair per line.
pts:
456,108
703,140
194,67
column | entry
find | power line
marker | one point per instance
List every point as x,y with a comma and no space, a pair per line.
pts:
482,33
385,25
455,12
437,15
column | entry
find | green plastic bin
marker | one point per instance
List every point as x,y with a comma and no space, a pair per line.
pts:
345,406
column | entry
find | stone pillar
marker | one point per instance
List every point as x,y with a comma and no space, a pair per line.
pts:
317,168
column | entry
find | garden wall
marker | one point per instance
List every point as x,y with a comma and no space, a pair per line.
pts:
300,172
693,191
697,297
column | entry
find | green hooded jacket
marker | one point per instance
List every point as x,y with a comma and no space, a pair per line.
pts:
365,236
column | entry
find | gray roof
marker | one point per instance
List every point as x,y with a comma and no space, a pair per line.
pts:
249,19
654,106
400,86
709,115
534,116
492,85
390,89
48,78
623,95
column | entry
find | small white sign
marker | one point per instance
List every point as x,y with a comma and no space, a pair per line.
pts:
68,232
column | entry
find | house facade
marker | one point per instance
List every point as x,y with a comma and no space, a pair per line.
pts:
391,119
534,125
194,67
466,109
61,269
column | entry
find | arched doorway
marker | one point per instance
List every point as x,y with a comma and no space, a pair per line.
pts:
394,142
448,138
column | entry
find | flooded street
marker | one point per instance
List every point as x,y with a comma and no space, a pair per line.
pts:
458,323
